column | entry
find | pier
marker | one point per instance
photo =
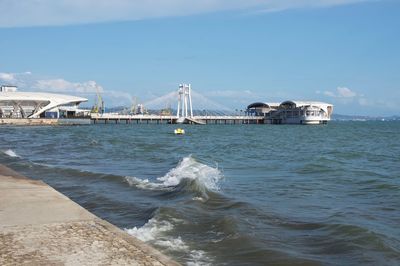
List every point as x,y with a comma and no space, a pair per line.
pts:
107,118
184,114
40,226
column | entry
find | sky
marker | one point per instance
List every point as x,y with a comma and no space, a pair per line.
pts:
344,52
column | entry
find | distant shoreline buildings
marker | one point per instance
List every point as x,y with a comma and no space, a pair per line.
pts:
40,105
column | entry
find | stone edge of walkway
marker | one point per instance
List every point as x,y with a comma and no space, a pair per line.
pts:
162,258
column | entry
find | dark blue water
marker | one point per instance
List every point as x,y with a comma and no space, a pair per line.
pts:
230,194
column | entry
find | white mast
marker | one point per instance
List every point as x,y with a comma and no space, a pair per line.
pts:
184,101
179,101
190,99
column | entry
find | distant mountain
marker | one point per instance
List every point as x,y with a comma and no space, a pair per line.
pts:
339,117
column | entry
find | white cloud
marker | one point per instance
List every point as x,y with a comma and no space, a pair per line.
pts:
61,85
329,93
236,98
17,79
66,12
345,92
378,103
281,5
344,96
231,94
7,77
341,92
27,81
200,102
118,98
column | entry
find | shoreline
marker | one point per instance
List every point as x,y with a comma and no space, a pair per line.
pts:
41,226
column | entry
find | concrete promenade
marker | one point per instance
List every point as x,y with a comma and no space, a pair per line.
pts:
40,226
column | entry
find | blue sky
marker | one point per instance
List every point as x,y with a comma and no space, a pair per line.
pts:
233,52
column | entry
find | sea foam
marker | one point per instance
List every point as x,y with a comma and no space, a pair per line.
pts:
151,230
11,153
188,169
156,232
199,258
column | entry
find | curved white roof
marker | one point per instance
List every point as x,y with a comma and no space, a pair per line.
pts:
306,103
52,99
322,105
262,104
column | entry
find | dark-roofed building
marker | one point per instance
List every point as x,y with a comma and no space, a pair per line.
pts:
261,109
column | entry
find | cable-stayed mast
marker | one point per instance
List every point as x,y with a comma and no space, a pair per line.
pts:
185,108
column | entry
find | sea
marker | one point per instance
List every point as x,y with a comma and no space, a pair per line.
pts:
230,194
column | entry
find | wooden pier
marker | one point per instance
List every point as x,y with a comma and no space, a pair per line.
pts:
158,119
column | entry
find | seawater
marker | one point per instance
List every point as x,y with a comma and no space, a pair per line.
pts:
230,194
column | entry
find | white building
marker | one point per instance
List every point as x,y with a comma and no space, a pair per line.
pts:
8,88
14,104
261,109
293,112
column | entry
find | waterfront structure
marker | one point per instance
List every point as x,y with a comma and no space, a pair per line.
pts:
8,88
293,112
40,226
184,113
261,109
185,108
108,118
14,104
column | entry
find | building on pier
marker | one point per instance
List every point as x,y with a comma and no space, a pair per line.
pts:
261,109
15,104
292,112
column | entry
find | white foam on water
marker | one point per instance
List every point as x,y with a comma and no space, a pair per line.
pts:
151,230
94,142
176,244
142,183
201,199
154,232
199,258
11,153
188,168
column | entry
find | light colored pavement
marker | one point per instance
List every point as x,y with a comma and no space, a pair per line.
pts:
40,226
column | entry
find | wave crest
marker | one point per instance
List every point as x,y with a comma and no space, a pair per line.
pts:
189,173
151,230
155,231
11,153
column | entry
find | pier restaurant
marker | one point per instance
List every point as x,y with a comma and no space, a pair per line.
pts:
292,112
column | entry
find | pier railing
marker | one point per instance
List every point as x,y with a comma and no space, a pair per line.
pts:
172,119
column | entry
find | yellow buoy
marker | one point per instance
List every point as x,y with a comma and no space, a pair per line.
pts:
179,131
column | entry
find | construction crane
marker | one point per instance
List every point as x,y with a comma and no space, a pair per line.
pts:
99,103
167,110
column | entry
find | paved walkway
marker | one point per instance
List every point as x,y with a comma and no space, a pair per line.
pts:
40,226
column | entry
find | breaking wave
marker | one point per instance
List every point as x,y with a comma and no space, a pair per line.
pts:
151,230
189,173
155,231
11,153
